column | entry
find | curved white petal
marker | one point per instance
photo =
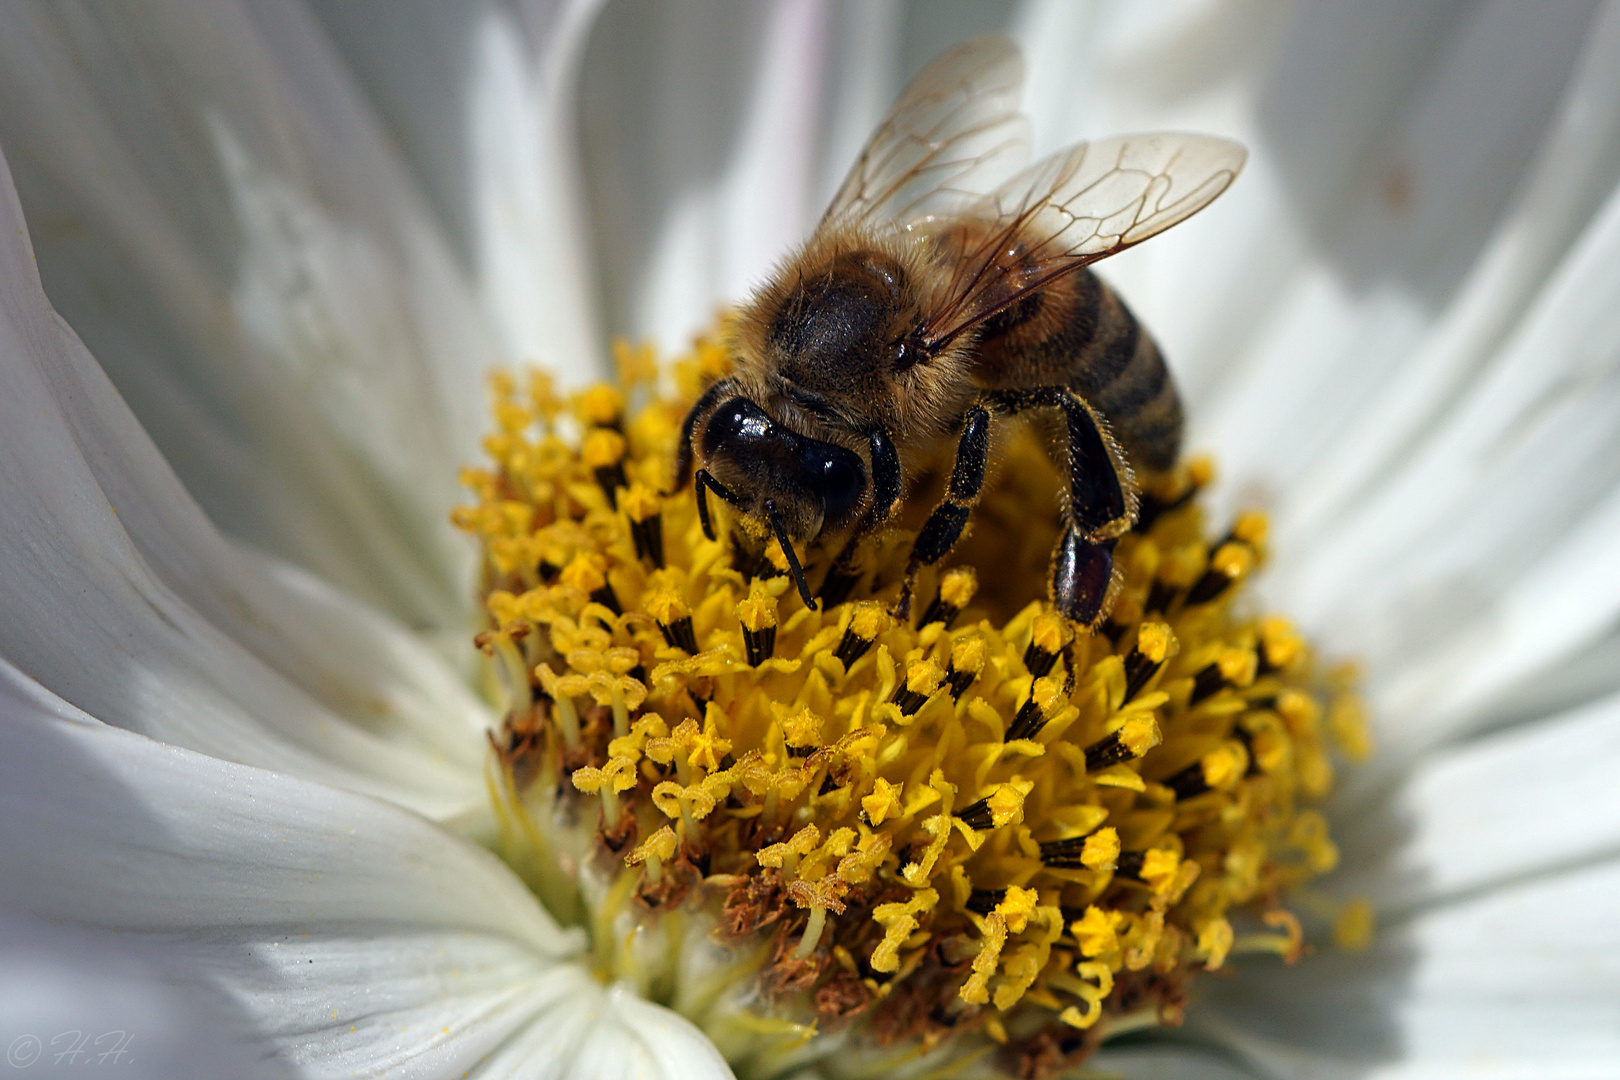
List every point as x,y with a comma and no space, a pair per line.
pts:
350,936
219,217
1492,552
1521,981
606,1034
82,1000
121,597
481,98
1496,810
710,138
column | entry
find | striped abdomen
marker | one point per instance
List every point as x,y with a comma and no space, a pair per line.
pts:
1077,333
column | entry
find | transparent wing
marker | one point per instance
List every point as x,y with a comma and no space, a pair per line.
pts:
1071,209
954,133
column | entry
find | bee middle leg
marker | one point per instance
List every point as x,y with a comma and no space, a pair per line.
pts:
1100,508
944,526
1101,505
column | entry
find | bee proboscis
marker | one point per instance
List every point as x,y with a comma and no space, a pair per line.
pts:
932,300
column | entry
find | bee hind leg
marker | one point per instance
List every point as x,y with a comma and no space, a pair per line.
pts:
944,526
1101,505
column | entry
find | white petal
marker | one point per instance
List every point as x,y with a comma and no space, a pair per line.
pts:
532,253
121,597
224,224
352,936
1521,981
605,1035
1492,554
481,99
1398,202
1491,811
93,999
703,136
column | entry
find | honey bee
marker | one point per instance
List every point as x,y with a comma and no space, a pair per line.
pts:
929,303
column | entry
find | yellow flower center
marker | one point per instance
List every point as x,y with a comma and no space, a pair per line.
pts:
975,826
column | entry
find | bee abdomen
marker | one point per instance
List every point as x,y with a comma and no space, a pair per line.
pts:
1076,332
1123,375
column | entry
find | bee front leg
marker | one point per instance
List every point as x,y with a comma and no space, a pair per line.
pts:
1102,505
944,526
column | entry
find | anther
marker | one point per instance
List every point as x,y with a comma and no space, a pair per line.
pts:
757,614
1034,713
588,574
1280,645
1219,768
868,621
1232,668
841,579
1004,806
642,507
1154,504
1231,563
1096,851
602,406
967,660
923,678
956,588
802,733
1047,638
603,452
1154,644
1135,737
673,616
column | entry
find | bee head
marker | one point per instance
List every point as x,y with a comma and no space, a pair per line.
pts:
803,486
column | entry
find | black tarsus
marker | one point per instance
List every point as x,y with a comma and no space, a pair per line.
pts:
787,550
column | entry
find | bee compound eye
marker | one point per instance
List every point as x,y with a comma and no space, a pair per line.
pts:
842,479
732,421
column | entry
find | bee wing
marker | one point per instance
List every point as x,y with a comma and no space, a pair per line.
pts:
1071,209
953,134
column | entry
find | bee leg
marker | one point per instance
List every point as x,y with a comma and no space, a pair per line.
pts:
944,526
1083,584
1102,504
683,449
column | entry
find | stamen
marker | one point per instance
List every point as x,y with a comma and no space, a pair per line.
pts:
1154,645
588,574
1232,563
673,617
956,589
1033,714
868,621
1233,668
923,678
1051,633
604,453
967,660
1136,737
642,507
757,614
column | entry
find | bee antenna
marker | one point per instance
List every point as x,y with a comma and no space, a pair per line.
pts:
787,550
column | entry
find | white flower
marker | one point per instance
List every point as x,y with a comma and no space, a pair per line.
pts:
236,747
